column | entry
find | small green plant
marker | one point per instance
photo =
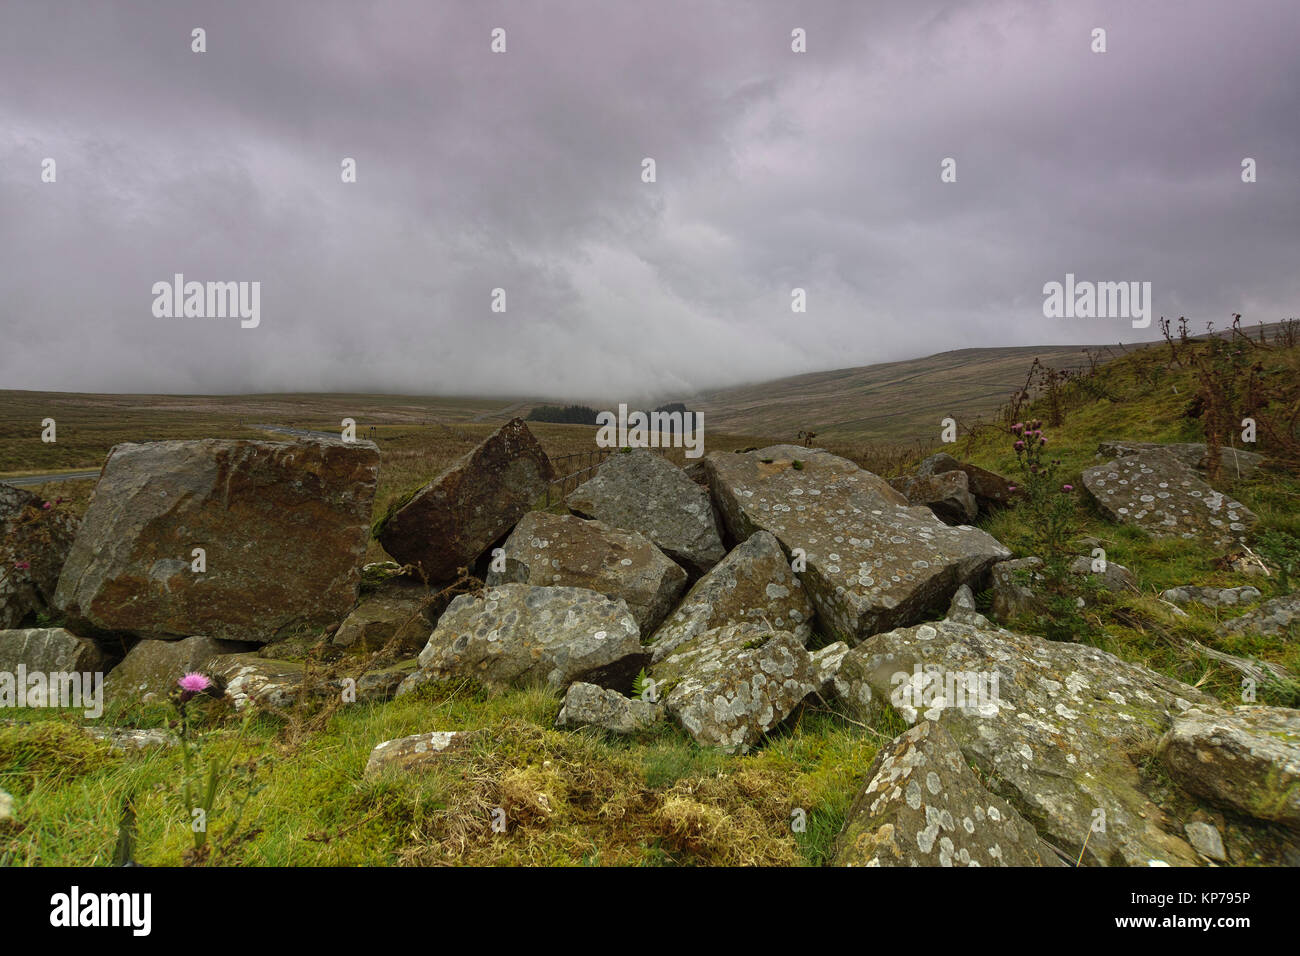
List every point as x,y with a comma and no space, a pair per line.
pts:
797,465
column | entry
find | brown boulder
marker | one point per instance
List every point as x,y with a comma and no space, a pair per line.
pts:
283,527
453,519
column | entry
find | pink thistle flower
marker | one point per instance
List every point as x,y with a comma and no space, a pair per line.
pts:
1020,446
46,506
22,565
194,682
1067,487
1011,488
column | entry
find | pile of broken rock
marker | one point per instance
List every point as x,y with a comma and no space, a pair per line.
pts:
704,594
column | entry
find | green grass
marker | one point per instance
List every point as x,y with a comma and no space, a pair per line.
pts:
569,797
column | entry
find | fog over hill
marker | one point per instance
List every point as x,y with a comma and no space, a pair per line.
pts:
776,170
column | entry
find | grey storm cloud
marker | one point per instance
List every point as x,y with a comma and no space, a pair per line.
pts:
522,171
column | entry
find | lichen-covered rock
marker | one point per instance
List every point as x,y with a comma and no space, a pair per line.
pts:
1154,491
548,549
34,543
1212,597
150,670
872,561
1061,729
729,686
418,750
920,805
587,705
640,491
49,650
826,664
1248,759
453,519
272,684
283,527
1233,462
1018,585
990,489
963,610
6,807
1279,616
947,494
134,738
937,464
752,583
516,635
397,612
1206,840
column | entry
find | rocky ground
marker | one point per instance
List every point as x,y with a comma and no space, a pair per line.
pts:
771,656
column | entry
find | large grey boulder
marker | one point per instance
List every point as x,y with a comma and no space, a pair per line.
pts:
1156,492
872,561
548,549
1062,730
1275,617
150,670
1248,759
283,527
452,520
921,805
1233,462
34,543
640,491
49,650
753,583
730,686
947,494
516,635
587,705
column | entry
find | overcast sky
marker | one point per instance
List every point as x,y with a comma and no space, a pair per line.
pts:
523,171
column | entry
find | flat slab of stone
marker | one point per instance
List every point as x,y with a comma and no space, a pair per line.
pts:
150,670
49,650
277,685
549,550
1211,597
1234,462
587,705
452,520
1278,616
872,561
1061,729
1154,491
395,612
920,805
754,584
406,754
34,543
516,635
1247,759
729,687
283,527
640,491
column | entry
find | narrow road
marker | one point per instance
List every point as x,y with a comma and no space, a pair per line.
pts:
42,479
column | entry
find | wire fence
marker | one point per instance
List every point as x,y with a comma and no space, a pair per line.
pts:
585,464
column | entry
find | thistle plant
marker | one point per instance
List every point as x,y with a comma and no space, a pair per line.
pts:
1047,505
202,780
